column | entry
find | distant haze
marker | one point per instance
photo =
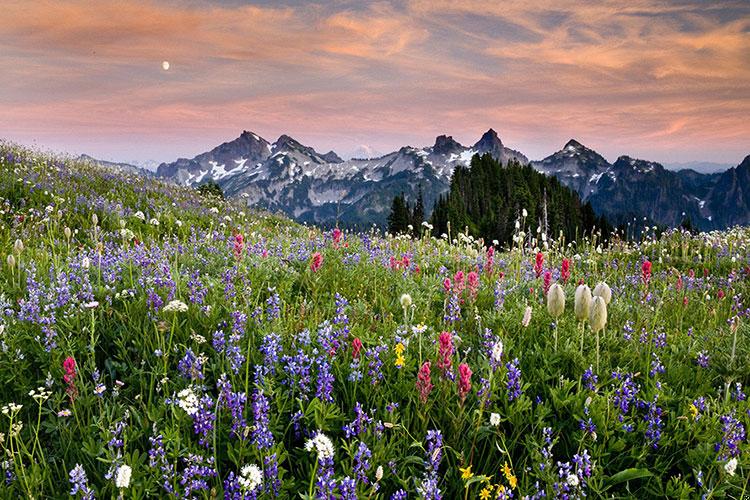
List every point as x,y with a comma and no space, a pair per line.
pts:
664,80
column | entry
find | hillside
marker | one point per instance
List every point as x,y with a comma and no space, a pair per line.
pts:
157,344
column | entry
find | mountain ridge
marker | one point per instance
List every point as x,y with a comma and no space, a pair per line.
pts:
291,177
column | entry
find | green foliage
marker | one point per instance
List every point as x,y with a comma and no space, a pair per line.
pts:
488,198
210,188
99,293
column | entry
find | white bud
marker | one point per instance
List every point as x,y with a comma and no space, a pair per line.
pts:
582,304
598,315
602,290
95,219
379,473
555,300
67,232
18,246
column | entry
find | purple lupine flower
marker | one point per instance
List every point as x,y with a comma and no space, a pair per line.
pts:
359,424
514,380
702,359
737,393
271,484
374,363
499,295
399,495
627,330
325,482
273,309
232,488
654,421
297,371
428,488
453,309
80,483
361,463
348,489
196,474
656,365
235,403
625,396
191,366
590,379
324,390
734,435
270,348
203,420
233,351
262,436
158,458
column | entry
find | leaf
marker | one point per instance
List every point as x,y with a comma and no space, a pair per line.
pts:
628,475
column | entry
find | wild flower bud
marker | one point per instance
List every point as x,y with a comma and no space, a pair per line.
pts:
67,232
95,219
18,246
526,316
406,301
602,290
556,300
11,261
582,304
598,315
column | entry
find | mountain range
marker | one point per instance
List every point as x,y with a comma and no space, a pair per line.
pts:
323,188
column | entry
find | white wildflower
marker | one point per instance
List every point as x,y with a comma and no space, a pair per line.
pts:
139,215
495,419
251,477
188,401
175,306
122,480
321,444
572,480
731,466
497,351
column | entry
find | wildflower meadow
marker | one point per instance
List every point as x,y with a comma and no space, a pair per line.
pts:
155,343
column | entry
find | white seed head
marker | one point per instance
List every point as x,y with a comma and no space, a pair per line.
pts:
582,304
556,300
598,315
406,301
602,290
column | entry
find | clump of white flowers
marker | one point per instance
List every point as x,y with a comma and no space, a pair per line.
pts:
251,477
188,401
175,306
122,479
321,444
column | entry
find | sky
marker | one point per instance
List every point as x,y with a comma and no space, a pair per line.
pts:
663,80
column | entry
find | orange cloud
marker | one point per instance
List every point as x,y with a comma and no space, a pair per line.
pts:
654,76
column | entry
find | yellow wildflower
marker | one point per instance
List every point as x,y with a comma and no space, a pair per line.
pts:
466,472
693,411
399,349
400,361
512,480
485,493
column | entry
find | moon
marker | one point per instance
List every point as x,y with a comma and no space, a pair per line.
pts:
165,65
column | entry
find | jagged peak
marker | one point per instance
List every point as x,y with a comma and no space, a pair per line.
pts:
489,139
445,144
573,145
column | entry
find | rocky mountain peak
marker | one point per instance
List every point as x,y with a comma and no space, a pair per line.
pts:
489,141
445,144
